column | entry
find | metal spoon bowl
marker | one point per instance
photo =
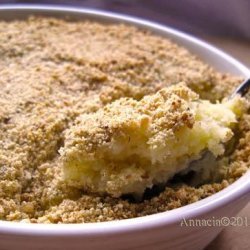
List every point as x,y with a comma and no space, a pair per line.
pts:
208,160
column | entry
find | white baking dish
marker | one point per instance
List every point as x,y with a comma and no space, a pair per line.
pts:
158,231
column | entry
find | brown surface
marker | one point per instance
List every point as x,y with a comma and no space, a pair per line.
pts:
234,237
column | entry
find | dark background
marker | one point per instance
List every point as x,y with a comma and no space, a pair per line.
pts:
223,18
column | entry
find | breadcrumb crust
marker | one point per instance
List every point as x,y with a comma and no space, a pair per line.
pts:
51,72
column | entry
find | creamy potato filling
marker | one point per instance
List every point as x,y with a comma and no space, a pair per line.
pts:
130,145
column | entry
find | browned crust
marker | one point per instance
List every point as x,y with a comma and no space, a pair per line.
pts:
52,71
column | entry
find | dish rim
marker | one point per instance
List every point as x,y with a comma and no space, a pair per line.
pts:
234,191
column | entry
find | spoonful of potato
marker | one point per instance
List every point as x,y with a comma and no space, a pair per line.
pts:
130,145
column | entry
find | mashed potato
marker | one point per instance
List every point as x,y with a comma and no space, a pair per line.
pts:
130,145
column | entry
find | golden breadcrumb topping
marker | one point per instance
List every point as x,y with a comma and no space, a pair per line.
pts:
129,145
52,72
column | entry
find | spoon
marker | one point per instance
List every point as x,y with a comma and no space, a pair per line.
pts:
242,89
207,157
197,171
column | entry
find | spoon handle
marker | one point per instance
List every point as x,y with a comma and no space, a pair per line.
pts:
243,88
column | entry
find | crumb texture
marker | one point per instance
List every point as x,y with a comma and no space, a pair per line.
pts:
129,145
51,73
